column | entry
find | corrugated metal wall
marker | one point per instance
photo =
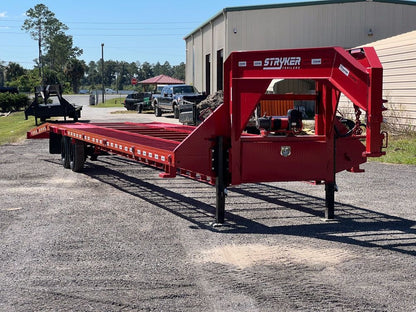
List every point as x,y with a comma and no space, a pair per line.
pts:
206,41
338,24
398,57
258,28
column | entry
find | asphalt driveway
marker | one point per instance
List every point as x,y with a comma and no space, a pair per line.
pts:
116,237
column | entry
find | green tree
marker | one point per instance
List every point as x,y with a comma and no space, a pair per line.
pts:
179,71
157,69
110,68
167,69
50,77
125,73
14,71
60,50
42,25
75,70
91,77
2,73
26,82
145,71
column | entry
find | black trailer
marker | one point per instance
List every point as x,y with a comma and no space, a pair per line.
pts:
43,110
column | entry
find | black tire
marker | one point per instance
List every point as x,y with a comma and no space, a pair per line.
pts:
140,109
65,147
175,112
54,143
158,111
77,156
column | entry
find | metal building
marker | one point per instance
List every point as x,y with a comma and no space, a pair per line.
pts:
347,23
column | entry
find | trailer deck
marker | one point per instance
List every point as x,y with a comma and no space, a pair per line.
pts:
219,152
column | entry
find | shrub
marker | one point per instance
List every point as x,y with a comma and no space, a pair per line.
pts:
13,102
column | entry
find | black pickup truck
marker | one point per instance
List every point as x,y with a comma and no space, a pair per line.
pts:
138,101
173,96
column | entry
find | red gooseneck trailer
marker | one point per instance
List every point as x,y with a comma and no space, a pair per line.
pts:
221,153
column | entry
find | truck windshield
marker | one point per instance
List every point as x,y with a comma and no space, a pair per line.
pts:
184,89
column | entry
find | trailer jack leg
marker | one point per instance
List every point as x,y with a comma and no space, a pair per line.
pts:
330,188
220,183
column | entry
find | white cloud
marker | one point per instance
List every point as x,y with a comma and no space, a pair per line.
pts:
3,14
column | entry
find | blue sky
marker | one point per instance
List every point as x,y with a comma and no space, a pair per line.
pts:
145,31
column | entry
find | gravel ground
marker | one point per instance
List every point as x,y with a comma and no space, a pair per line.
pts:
118,238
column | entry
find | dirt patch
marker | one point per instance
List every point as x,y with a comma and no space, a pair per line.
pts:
124,112
243,256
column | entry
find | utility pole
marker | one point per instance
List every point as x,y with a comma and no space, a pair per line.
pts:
102,68
40,53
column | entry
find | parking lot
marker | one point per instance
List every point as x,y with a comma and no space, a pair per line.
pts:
116,237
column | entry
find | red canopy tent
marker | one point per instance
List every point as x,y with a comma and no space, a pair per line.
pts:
161,79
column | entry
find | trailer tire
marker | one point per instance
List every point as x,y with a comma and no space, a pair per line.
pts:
77,156
65,147
139,108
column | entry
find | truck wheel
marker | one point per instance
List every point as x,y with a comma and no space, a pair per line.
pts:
175,112
77,156
158,111
65,147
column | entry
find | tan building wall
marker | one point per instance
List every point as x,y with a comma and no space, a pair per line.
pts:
204,42
295,25
398,57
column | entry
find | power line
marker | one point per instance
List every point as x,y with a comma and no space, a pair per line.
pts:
114,23
104,35
109,29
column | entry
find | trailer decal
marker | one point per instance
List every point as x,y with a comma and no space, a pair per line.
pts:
344,70
292,62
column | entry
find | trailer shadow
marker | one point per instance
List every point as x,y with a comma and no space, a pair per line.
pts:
353,225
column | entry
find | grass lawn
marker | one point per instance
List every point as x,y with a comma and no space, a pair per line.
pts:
401,150
13,128
117,102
